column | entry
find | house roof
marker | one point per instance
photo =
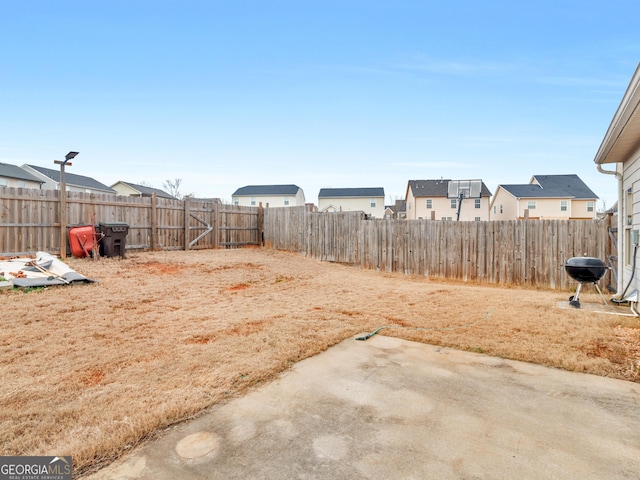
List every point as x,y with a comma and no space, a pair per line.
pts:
14,171
623,135
351,192
72,179
552,186
146,191
400,206
437,188
266,190
571,183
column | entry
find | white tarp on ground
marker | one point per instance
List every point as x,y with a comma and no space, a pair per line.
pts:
44,270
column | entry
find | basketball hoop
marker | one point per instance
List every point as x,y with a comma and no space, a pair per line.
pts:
464,188
461,189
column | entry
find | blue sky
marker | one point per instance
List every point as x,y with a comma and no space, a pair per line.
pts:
315,93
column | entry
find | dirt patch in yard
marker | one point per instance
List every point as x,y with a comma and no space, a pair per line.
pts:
93,370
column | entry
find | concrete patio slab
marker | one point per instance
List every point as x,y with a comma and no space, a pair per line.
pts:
393,409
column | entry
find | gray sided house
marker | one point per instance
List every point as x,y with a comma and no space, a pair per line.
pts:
73,182
134,190
14,176
268,196
367,200
619,156
400,210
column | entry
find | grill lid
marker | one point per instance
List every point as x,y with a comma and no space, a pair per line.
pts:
585,269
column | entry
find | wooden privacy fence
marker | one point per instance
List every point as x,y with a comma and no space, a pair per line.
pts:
30,221
520,252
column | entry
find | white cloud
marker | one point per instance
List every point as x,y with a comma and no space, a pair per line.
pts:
463,67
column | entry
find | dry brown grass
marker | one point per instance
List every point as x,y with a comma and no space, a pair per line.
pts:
92,370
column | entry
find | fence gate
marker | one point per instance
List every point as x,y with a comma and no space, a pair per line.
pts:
211,224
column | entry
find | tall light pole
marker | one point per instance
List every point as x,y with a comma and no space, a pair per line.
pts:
63,202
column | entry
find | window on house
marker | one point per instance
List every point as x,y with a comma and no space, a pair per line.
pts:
454,202
446,218
286,200
563,205
236,202
253,200
3,182
429,203
500,208
531,204
494,209
372,202
477,202
590,206
477,219
22,184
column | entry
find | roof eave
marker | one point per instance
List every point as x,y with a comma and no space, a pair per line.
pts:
625,122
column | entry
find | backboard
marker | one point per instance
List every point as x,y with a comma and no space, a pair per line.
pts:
464,188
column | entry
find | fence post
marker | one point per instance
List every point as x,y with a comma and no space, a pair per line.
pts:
154,221
216,225
62,192
187,211
261,225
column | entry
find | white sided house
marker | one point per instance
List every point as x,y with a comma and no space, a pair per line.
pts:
269,196
551,197
429,199
14,176
367,200
73,182
134,190
620,152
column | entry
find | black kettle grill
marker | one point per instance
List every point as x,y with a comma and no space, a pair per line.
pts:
585,270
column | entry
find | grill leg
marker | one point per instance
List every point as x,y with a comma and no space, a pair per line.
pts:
604,300
574,301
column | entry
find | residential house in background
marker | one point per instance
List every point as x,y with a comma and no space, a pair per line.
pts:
397,211
429,199
73,182
620,153
388,212
14,176
553,197
269,196
367,200
135,190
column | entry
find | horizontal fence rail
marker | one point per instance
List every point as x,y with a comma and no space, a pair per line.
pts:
518,252
30,221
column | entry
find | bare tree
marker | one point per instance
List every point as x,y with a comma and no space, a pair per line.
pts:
603,203
173,187
393,198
